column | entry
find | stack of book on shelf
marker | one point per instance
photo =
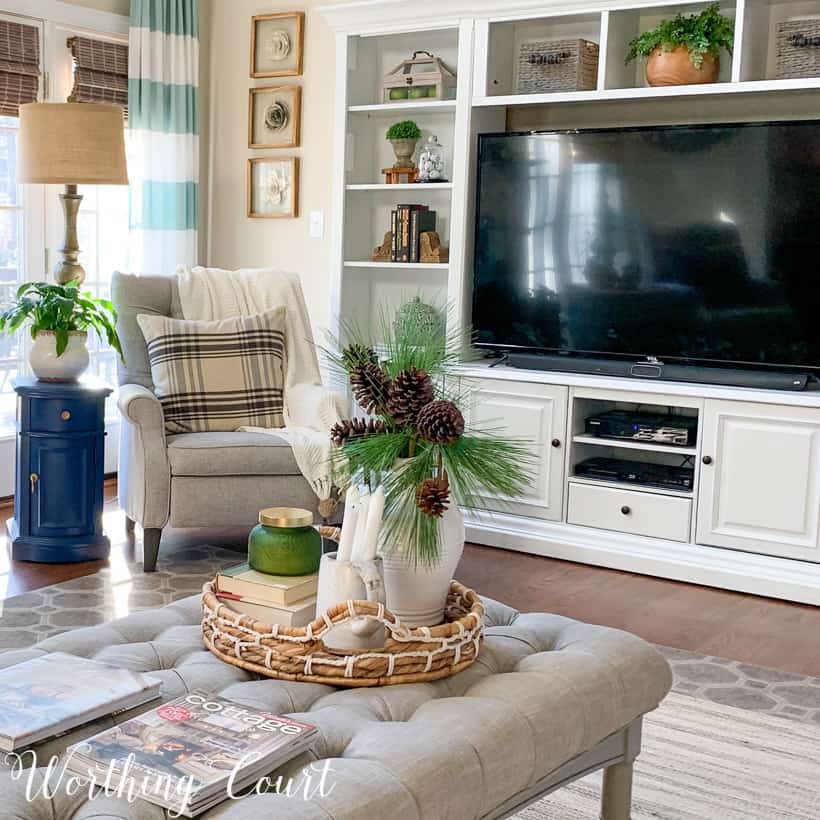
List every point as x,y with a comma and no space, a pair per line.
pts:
287,600
407,223
52,694
182,755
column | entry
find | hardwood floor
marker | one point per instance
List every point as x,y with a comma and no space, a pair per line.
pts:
759,631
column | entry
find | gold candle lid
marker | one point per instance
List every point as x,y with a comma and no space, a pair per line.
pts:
285,517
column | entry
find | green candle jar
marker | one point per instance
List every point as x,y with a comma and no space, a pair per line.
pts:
284,542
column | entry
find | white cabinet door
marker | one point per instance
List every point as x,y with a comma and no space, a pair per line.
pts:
760,479
537,413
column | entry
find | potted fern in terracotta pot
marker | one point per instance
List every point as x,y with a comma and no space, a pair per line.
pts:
60,317
417,444
686,49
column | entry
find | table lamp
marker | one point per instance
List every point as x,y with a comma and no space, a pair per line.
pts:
71,144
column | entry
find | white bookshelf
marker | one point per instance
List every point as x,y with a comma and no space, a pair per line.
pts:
479,40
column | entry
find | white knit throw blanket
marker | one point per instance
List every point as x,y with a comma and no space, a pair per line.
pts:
310,408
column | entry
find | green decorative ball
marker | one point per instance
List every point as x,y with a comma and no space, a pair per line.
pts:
419,92
418,314
432,91
398,93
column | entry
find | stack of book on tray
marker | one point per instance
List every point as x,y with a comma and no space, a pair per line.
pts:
50,695
182,755
408,223
273,599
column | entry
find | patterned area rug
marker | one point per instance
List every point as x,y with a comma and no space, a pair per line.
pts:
705,761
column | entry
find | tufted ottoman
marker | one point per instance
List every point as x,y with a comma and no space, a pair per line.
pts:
548,700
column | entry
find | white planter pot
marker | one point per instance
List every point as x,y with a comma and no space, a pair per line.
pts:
418,593
48,366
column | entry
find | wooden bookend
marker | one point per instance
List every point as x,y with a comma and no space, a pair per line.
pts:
382,252
430,249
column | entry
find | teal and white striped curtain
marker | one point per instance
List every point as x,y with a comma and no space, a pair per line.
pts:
163,119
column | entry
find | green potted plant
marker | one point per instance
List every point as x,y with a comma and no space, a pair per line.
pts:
60,317
686,49
403,136
417,444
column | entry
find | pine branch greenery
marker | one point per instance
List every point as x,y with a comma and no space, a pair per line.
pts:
466,466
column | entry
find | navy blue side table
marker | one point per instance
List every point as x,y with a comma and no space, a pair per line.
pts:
58,499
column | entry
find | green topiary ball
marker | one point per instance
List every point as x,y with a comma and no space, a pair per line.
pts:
418,314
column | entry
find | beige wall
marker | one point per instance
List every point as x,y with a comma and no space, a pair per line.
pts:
232,239
114,6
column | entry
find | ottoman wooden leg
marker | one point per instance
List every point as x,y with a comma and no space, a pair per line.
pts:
130,525
616,801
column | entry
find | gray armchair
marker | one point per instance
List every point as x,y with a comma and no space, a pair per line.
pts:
190,479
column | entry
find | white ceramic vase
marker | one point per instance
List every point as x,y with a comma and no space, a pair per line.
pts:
418,593
68,367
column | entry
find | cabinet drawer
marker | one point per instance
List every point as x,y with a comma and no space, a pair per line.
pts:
638,513
63,416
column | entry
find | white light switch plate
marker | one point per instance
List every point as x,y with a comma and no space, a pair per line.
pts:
317,224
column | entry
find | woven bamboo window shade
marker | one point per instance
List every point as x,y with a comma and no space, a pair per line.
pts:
100,71
19,66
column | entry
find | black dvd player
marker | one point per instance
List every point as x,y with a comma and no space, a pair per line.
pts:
661,428
637,472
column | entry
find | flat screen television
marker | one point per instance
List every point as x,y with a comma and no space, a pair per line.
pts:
692,244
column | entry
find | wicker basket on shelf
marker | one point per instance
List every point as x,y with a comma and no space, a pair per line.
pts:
557,65
798,48
409,655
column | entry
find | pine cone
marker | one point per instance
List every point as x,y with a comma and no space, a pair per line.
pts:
440,422
356,355
410,391
370,387
433,497
343,431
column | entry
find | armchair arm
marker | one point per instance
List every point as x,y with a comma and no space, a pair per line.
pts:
144,472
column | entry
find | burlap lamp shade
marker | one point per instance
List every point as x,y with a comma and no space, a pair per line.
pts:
72,144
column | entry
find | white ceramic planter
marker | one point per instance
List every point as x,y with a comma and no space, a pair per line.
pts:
418,593
48,366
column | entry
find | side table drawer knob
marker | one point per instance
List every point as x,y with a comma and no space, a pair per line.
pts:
34,478
65,415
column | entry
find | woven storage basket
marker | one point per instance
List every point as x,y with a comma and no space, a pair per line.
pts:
557,65
290,653
798,48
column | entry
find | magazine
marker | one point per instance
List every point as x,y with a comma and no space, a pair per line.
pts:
181,755
52,694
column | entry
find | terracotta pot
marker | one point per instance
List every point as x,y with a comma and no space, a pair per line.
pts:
676,68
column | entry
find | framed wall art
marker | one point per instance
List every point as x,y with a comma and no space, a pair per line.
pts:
272,187
273,117
277,43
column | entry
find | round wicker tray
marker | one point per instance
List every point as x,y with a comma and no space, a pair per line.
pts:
409,655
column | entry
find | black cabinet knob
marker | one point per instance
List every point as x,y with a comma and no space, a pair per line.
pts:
707,459
625,510
556,442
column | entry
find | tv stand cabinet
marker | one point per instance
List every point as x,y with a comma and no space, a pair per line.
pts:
751,522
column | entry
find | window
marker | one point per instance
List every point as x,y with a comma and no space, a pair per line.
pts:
32,225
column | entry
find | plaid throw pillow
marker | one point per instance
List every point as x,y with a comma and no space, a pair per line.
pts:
217,376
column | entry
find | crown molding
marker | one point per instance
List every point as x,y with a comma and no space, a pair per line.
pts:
376,16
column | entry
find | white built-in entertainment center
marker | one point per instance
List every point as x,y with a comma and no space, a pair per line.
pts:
751,522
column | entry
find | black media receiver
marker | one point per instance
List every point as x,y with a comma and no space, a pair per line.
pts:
655,427
636,472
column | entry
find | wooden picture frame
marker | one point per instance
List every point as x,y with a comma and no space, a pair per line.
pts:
286,30
260,135
288,208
